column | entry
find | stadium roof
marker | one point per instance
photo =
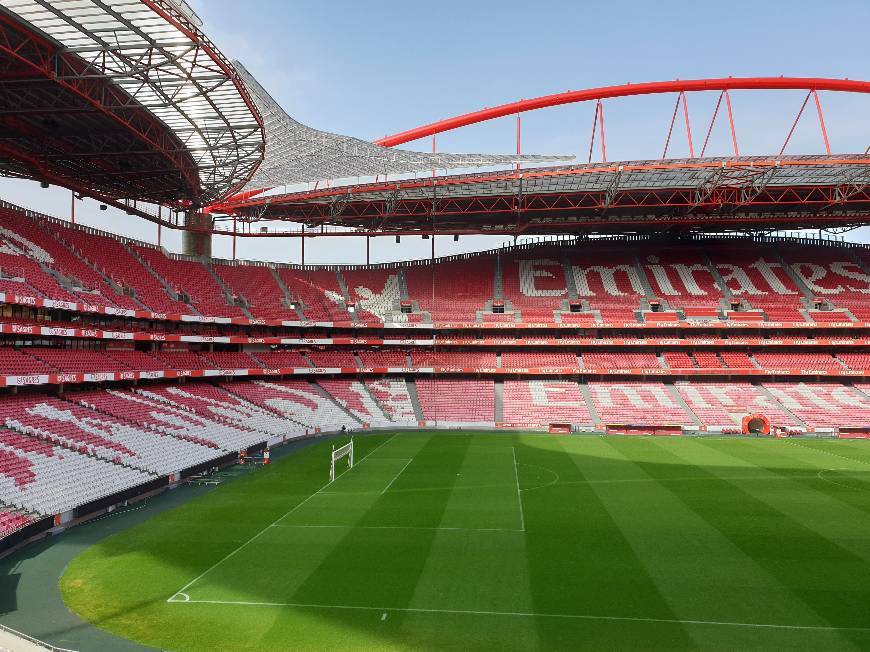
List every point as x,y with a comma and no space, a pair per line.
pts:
123,99
697,194
298,153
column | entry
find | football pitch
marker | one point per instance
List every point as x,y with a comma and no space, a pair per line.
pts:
462,541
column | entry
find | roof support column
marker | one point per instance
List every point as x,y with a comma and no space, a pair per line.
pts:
196,238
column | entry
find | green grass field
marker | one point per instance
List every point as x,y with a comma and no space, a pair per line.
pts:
458,541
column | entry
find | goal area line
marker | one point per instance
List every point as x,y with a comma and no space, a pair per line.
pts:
520,614
260,533
398,527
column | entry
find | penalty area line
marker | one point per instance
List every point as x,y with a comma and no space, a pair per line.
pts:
528,614
265,529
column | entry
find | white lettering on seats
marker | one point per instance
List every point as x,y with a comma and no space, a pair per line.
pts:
809,273
530,270
853,273
608,279
766,270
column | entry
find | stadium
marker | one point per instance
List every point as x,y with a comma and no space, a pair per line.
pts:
639,419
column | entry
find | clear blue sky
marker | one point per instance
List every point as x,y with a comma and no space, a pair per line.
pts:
368,69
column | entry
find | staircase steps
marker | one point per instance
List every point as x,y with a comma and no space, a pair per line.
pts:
415,399
499,401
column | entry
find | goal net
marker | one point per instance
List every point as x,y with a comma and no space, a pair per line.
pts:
337,455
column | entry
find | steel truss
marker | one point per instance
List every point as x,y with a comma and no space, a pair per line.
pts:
145,68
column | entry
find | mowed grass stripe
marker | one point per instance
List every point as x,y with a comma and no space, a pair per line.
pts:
578,560
492,565
843,478
705,574
821,574
382,567
655,520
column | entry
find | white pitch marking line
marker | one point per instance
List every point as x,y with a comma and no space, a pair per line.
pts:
395,477
398,527
266,529
519,496
384,616
521,614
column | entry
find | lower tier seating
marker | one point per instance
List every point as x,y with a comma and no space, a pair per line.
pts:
544,401
637,403
471,401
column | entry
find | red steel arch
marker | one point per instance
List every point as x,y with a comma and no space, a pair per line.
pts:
626,90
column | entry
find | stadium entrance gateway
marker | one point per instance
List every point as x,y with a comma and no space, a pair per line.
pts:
756,424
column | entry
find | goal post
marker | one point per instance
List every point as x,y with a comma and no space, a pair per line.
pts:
338,454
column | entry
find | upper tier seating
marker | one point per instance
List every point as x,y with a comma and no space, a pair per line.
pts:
296,400
449,400
375,292
332,359
383,358
281,359
465,359
17,363
115,260
681,276
183,360
191,278
808,361
318,291
26,238
637,403
536,285
620,360
833,274
823,405
78,360
392,394
138,360
725,404
259,288
544,401
452,291
754,273
57,479
610,281
537,359
855,360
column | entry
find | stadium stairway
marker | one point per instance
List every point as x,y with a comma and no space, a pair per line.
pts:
590,404
649,293
415,399
108,281
345,293
499,401
773,399
166,286
498,281
320,390
682,402
570,281
795,277
375,400
285,293
228,291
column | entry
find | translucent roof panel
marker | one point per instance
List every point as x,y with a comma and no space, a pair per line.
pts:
154,51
